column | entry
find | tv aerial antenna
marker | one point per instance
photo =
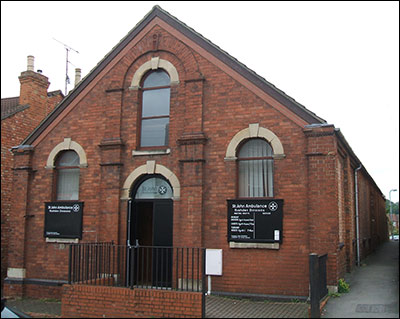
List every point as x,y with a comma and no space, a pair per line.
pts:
67,48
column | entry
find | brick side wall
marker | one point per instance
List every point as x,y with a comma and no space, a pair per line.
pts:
81,301
323,199
372,216
349,196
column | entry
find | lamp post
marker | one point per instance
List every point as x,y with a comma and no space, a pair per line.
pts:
390,212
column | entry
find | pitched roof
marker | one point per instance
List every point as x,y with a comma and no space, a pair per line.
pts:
213,49
11,106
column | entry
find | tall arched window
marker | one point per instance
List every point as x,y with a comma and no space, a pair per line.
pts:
67,174
154,121
255,161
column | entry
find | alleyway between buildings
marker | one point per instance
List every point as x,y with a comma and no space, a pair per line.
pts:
374,288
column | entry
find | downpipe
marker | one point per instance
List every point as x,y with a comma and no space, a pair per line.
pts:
357,214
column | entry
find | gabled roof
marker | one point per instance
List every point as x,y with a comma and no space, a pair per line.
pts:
207,45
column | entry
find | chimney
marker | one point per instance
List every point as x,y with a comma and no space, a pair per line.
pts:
33,90
31,60
77,76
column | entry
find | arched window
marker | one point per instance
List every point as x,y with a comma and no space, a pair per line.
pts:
67,174
255,161
154,121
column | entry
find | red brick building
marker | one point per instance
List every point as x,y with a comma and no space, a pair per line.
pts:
182,131
19,116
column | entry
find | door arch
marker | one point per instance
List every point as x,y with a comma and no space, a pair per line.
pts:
150,168
150,231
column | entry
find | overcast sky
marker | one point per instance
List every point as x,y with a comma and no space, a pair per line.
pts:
338,59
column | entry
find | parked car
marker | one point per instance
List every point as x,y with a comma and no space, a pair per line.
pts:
396,237
9,312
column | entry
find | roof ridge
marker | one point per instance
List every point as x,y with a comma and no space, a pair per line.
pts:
219,53
9,98
237,61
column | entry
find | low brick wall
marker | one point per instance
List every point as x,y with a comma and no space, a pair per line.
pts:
37,291
84,301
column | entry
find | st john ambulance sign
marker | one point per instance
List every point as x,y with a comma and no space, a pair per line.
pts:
252,220
63,220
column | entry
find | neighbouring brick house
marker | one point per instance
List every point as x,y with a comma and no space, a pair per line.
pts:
20,115
160,144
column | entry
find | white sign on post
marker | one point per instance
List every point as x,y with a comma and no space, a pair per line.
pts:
214,262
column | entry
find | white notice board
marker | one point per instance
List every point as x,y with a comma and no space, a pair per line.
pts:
214,262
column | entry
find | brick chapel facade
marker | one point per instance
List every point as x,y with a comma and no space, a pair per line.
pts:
167,107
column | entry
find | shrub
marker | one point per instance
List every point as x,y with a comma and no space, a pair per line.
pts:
343,286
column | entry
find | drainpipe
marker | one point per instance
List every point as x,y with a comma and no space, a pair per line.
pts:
357,217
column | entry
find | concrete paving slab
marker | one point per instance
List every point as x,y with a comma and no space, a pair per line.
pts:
37,308
226,307
374,288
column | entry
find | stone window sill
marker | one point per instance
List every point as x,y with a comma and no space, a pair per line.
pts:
151,152
62,240
254,245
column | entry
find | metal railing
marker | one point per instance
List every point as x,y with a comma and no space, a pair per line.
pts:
318,282
150,267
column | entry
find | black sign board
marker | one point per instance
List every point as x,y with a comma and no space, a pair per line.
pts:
255,220
63,220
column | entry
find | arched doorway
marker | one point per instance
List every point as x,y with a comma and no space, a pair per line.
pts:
150,232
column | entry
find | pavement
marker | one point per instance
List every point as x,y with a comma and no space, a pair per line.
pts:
37,308
374,293
228,307
374,288
216,307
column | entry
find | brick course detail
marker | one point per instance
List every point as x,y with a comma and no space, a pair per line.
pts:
82,301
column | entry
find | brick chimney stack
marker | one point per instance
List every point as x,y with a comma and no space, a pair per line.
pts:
33,91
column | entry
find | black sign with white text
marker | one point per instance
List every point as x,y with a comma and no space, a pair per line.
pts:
63,219
255,220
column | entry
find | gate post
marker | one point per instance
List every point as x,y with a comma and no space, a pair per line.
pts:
314,286
203,284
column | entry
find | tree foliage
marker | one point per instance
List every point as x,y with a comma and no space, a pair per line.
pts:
395,207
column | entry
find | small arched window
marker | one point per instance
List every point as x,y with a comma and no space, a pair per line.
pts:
67,174
154,121
255,161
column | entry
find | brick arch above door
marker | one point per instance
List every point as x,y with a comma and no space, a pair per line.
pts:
151,168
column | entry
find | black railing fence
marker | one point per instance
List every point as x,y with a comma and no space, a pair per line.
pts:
151,267
318,282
